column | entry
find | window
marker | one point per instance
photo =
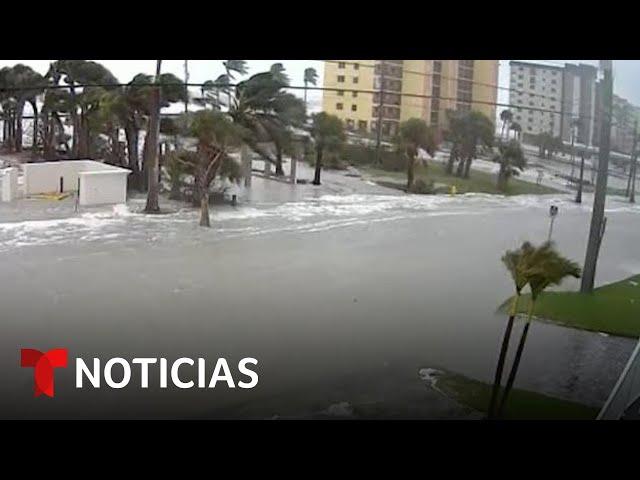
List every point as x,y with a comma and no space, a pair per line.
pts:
340,64
355,79
437,66
341,93
338,106
553,82
519,85
340,78
350,124
354,108
356,66
362,124
354,94
434,118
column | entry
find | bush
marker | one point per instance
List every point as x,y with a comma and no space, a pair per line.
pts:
422,186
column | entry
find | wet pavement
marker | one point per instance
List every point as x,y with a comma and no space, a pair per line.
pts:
343,293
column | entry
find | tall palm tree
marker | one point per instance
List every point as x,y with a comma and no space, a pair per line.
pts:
310,77
506,116
545,267
415,134
516,262
231,67
328,133
151,144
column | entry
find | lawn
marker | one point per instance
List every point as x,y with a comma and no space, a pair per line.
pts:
479,182
613,308
522,404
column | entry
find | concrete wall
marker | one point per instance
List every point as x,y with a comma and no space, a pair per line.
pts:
103,187
45,177
9,184
99,183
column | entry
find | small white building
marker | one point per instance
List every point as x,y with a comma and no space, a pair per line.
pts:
96,183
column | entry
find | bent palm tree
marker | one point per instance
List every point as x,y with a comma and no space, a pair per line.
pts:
310,77
546,267
516,262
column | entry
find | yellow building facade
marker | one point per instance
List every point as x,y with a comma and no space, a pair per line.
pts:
413,89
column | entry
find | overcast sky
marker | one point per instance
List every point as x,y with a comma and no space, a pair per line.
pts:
626,72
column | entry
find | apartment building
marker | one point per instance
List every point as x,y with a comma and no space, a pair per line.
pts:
536,96
410,89
624,115
579,102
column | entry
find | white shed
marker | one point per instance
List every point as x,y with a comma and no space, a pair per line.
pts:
98,183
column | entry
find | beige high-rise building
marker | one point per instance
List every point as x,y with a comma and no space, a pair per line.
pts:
413,89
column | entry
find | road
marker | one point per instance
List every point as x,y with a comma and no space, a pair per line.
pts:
342,297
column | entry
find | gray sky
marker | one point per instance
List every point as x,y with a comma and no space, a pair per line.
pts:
626,72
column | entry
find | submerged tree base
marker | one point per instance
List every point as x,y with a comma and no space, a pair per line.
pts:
613,308
522,404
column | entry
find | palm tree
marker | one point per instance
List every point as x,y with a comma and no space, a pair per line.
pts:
328,133
506,116
277,70
151,146
475,130
512,161
516,262
545,267
415,135
231,67
215,133
310,77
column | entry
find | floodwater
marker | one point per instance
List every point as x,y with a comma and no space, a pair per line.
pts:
342,297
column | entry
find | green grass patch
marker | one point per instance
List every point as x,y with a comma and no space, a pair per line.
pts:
613,308
478,182
521,405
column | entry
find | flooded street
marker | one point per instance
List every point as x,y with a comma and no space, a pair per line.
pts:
342,297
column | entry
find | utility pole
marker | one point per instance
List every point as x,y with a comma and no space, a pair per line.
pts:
634,164
579,194
631,160
380,109
186,86
598,220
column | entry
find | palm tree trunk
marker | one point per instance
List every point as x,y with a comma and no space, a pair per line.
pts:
451,160
460,168
153,205
204,207
34,107
632,193
279,170
410,175
316,177
18,134
467,166
131,134
516,361
503,357
305,95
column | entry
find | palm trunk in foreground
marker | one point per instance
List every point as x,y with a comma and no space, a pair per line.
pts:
153,205
516,362
503,356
